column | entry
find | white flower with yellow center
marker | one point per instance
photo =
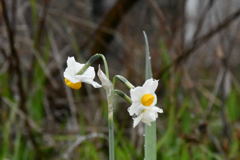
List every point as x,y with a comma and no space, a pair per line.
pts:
73,79
144,100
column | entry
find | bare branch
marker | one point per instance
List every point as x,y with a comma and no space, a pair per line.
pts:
200,41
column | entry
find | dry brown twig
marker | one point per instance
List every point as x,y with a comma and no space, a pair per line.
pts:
200,41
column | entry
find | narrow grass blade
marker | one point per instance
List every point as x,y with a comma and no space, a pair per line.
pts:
150,131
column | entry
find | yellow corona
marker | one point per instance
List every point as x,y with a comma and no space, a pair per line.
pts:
77,85
147,99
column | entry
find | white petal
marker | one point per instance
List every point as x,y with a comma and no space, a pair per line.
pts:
157,109
87,76
150,85
103,78
136,94
151,114
137,120
90,81
71,61
70,77
90,73
135,108
149,117
96,85
72,66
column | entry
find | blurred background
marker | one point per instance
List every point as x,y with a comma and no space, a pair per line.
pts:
195,55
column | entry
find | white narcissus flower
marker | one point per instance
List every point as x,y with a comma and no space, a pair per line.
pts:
144,100
73,80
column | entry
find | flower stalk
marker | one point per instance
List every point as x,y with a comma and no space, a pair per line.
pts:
110,99
123,80
92,60
123,95
107,85
150,150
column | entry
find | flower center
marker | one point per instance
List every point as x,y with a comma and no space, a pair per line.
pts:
77,85
147,99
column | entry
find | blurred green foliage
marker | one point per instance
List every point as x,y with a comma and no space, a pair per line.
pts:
180,135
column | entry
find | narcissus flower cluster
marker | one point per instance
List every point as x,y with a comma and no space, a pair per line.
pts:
144,100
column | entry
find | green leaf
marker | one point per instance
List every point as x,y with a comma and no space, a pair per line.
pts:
150,131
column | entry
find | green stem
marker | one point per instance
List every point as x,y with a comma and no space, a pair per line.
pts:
110,101
150,131
122,79
123,95
92,60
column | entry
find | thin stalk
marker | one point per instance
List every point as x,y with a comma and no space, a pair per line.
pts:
123,95
150,149
122,79
92,60
110,101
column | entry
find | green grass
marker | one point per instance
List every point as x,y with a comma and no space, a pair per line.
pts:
179,121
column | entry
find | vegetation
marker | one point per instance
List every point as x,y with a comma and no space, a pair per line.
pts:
42,119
